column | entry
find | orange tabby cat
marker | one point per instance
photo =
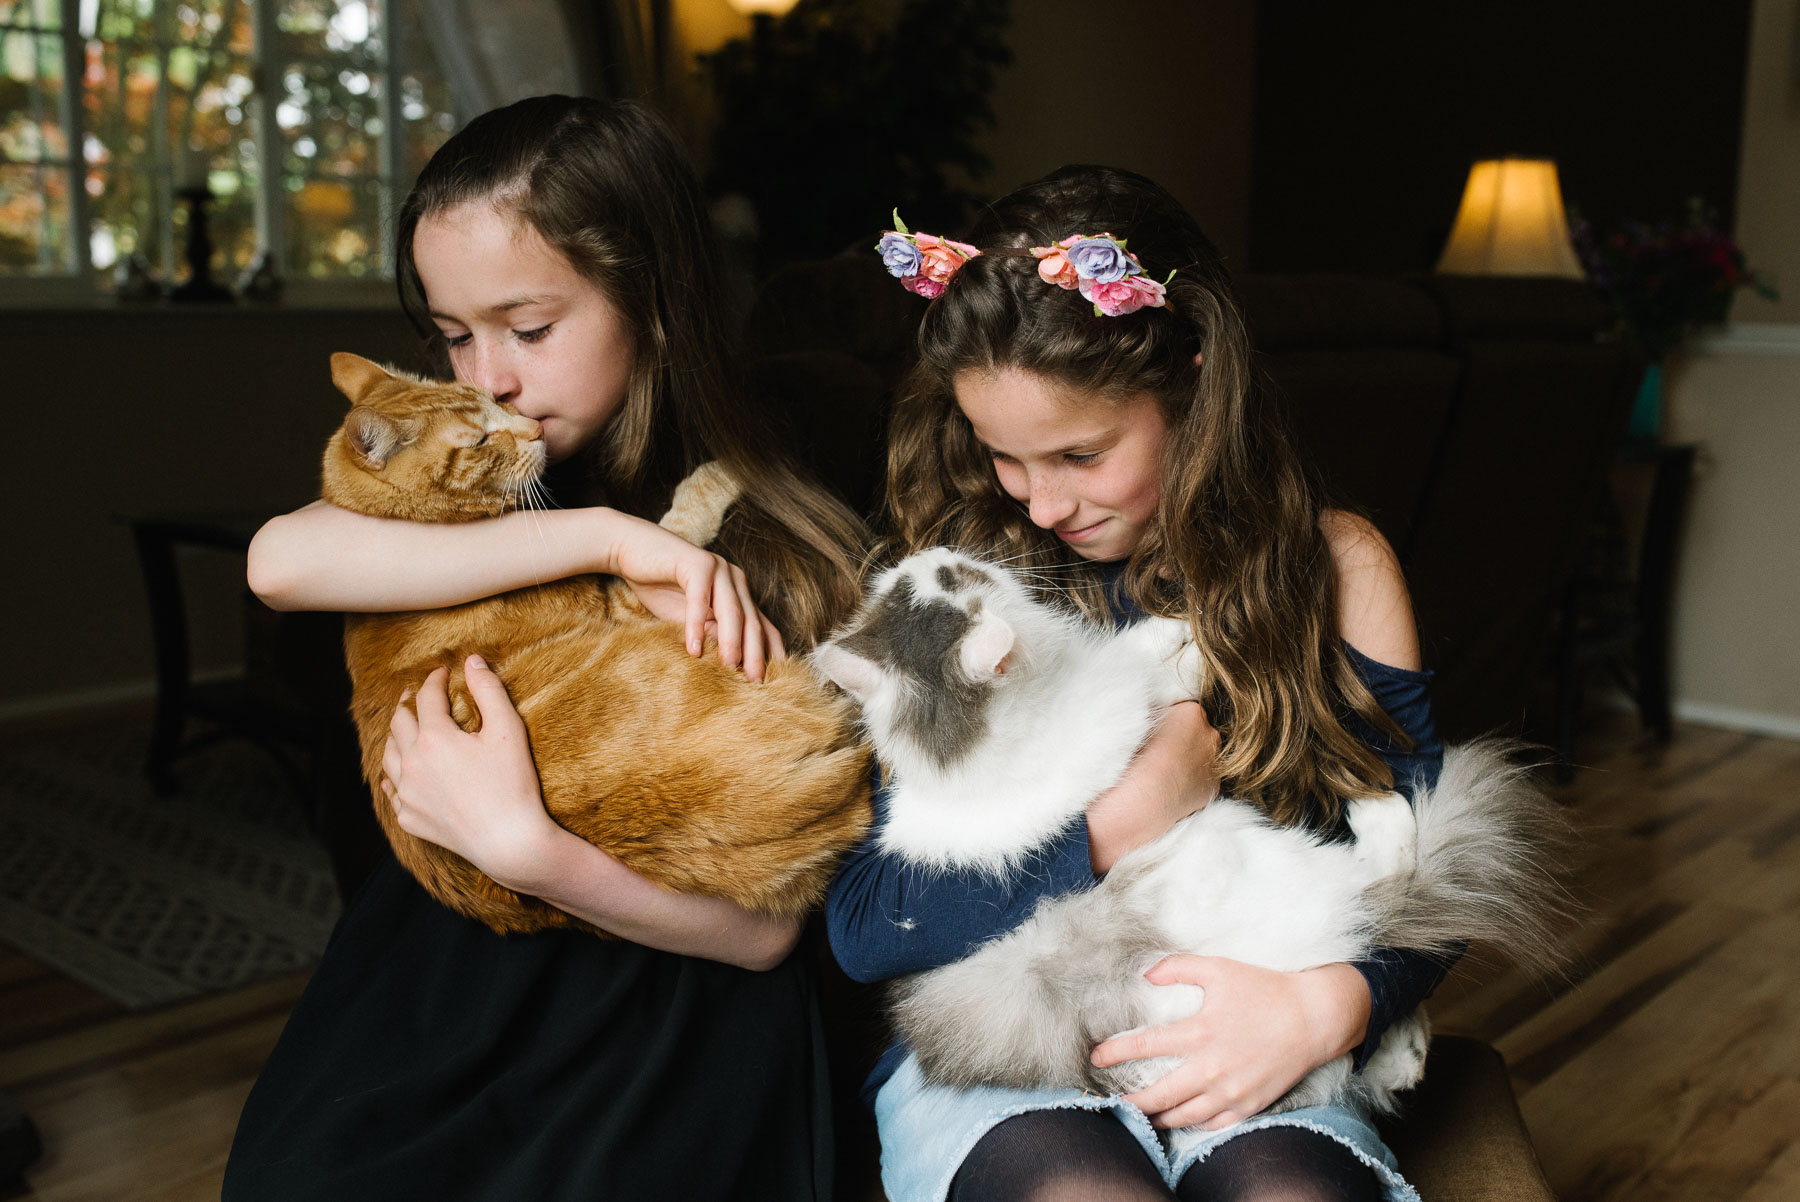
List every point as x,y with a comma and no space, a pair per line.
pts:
686,771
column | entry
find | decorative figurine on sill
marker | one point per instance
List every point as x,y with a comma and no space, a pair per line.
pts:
191,185
133,279
261,281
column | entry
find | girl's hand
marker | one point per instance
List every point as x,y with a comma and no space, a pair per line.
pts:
1258,1032
1172,777
679,582
473,794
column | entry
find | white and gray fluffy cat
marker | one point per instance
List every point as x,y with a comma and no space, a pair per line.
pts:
999,717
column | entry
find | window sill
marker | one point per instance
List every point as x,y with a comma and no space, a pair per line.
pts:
111,306
66,295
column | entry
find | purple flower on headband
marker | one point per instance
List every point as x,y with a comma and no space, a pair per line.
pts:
1101,259
899,255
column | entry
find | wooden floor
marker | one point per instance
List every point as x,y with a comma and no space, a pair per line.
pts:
1667,1068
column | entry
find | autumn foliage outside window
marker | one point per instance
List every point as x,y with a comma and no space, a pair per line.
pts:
305,118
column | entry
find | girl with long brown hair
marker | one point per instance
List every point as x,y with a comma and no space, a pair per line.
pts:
559,250
1084,415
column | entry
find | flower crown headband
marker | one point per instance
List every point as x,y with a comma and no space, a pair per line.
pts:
1096,265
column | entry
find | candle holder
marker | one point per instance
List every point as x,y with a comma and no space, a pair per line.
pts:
200,285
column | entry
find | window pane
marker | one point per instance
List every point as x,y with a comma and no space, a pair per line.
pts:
135,19
34,219
330,29
334,228
222,25
329,117
31,74
128,195
38,14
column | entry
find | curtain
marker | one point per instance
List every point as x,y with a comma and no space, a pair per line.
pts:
494,52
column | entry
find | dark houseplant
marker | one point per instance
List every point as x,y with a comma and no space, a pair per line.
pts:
830,116
1664,281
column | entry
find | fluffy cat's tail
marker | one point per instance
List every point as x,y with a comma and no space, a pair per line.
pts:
1028,1009
1493,857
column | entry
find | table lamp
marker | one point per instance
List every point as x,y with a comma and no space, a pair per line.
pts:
1511,222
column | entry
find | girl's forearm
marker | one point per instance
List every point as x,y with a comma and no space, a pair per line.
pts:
1339,1002
325,558
578,878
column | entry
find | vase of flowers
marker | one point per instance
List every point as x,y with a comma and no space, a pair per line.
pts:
1664,281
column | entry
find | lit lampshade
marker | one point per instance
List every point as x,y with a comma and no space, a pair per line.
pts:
1511,223
767,8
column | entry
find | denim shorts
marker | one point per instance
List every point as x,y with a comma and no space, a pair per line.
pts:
927,1131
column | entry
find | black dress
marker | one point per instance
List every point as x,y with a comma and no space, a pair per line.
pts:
431,1058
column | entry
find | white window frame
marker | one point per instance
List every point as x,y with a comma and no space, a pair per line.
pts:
81,285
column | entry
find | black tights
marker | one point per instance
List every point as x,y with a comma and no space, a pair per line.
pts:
1053,1155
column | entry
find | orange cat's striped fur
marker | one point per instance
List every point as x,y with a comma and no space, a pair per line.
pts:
682,768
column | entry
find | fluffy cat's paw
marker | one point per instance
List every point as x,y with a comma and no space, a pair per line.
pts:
700,501
1160,1005
1171,644
1134,1075
1387,834
1399,1063
1190,669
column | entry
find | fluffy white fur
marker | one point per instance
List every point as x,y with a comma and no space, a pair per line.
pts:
1030,654
1063,708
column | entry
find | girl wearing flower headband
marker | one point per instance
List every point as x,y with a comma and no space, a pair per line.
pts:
1084,404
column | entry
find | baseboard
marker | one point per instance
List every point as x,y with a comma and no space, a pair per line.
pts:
100,697
1783,726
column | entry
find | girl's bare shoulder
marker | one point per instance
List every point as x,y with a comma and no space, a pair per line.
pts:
1374,611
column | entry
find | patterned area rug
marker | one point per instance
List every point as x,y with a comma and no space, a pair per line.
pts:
148,899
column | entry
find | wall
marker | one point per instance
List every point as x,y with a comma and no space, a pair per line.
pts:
1368,116
1737,616
120,411
1162,89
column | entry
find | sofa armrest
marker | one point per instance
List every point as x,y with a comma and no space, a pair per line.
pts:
1461,1137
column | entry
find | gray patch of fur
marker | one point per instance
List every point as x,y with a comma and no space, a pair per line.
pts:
951,577
1028,1009
942,711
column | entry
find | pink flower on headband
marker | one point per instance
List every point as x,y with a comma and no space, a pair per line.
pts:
923,263
940,257
1119,297
1103,271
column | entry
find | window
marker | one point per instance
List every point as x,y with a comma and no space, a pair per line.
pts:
305,119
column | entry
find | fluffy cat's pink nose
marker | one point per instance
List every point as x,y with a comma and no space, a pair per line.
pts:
528,428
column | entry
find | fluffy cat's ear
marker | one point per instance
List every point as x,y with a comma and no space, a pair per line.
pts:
849,671
373,436
355,375
985,649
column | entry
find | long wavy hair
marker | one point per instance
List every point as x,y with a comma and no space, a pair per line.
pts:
607,185
1235,546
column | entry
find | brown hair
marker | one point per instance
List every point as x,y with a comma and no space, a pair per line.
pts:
607,184
1235,547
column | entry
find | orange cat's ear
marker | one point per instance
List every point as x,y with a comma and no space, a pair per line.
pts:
373,436
355,375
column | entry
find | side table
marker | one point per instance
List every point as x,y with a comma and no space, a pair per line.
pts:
1616,609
